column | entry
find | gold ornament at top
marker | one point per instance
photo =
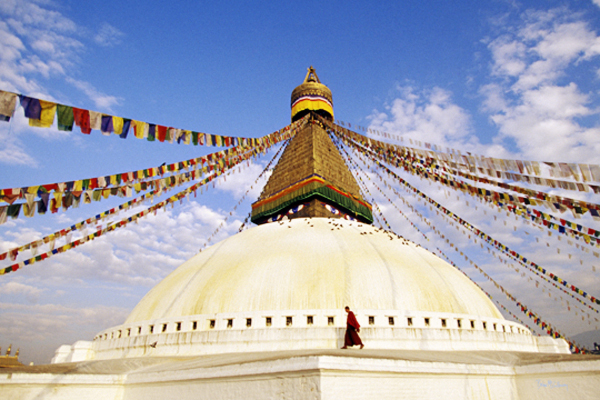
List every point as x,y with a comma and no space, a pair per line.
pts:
311,86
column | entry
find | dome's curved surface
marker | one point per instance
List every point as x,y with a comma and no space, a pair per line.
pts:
315,263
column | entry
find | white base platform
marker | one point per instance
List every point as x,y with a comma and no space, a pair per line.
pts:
315,374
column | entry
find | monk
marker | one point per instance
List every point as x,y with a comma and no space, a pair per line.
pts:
352,329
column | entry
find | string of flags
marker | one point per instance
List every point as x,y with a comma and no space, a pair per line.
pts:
42,114
551,331
511,253
538,321
73,198
535,272
218,229
445,256
439,233
498,245
361,182
491,165
547,327
426,163
427,158
507,201
219,169
170,184
133,178
109,228
555,333
533,215
50,239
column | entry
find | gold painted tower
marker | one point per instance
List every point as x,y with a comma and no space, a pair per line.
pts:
311,178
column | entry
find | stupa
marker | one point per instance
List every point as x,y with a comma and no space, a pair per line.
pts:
261,314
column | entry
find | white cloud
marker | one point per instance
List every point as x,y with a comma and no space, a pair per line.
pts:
535,101
508,55
37,44
237,181
101,100
15,288
108,36
429,116
12,150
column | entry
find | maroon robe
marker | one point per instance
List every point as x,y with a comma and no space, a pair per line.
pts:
352,325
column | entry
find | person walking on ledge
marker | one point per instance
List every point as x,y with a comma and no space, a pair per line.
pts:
352,329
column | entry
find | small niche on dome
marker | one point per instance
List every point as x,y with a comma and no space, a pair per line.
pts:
484,325
194,325
391,320
269,321
443,323
503,328
472,324
211,323
288,321
128,332
178,326
230,323
330,321
139,330
371,320
248,322
459,323
426,321
119,335
494,326
309,320
151,328
164,327
409,321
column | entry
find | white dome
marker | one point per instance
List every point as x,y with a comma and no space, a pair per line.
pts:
283,286
313,264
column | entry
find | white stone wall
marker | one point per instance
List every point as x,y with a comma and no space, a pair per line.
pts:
337,374
311,329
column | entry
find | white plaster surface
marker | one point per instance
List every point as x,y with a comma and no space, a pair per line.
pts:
315,263
315,374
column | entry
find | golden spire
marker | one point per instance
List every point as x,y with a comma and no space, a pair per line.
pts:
311,178
312,95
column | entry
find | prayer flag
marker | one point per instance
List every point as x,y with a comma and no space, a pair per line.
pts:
107,125
65,117
151,132
48,109
161,132
95,120
117,123
31,107
82,120
8,102
139,128
125,129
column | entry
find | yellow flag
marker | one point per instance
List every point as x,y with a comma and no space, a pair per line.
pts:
117,125
139,128
46,115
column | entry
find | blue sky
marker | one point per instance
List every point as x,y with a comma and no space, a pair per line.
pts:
514,79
